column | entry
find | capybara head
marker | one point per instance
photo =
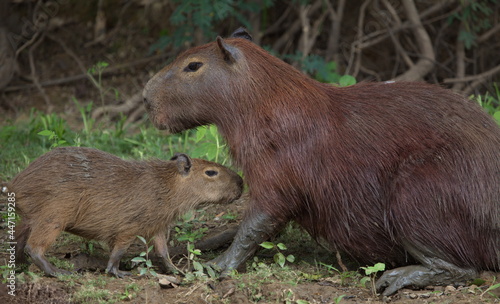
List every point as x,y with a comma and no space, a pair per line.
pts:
187,92
205,182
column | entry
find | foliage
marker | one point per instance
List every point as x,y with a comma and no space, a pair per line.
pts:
203,15
371,272
490,289
473,15
490,103
145,264
279,257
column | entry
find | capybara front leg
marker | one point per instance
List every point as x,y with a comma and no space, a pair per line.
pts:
255,228
433,271
114,260
160,241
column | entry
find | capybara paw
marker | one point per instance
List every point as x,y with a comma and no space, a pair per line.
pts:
118,273
59,272
393,280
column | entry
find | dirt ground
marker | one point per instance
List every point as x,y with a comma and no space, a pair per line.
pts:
304,280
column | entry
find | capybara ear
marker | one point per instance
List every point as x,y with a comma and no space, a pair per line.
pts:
183,163
229,53
241,33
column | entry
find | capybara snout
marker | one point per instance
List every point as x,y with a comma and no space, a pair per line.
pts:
99,196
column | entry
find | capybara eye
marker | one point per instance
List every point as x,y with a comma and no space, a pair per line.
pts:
211,173
193,66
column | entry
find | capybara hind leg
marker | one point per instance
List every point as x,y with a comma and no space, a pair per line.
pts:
433,271
39,240
255,228
114,260
21,237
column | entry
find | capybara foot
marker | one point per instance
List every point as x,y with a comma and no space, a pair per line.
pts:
117,273
418,276
58,272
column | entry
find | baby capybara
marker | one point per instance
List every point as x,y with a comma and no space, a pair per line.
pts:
402,173
99,196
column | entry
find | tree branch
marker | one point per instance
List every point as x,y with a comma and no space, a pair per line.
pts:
426,62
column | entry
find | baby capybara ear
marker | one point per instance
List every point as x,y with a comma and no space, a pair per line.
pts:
183,163
241,33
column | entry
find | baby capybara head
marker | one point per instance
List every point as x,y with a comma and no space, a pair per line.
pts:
205,182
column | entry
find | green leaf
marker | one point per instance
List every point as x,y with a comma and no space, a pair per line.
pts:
379,267
149,263
143,271
200,133
46,133
142,239
210,272
267,245
281,246
279,258
197,266
347,80
138,260
290,258
497,116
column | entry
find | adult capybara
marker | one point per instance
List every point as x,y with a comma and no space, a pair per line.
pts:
402,173
99,196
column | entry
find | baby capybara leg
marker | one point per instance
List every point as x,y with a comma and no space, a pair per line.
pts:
433,271
160,242
255,228
118,251
38,242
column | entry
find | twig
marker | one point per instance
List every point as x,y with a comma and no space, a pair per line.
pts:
107,71
355,47
34,77
426,62
483,75
68,51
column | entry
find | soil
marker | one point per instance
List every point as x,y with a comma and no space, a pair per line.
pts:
305,279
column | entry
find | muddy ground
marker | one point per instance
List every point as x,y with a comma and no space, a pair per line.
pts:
264,282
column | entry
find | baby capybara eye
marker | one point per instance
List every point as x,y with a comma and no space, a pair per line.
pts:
193,66
211,173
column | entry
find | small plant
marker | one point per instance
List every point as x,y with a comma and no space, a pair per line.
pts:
371,272
490,289
199,268
52,137
344,276
145,265
97,70
209,145
279,257
130,292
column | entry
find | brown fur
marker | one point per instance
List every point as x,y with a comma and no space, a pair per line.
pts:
99,196
377,169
